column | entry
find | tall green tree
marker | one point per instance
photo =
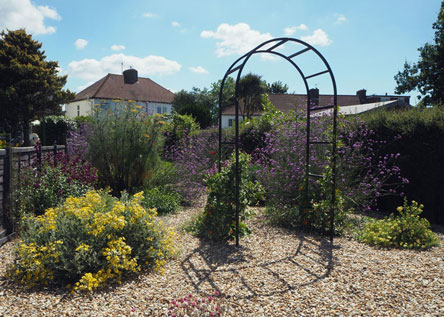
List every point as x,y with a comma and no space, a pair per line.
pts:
228,93
250,91
197,103
277,88
427,75
30,87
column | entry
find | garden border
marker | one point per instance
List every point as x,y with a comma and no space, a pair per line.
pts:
238,67
12,159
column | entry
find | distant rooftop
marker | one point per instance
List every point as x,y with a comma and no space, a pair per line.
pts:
114,86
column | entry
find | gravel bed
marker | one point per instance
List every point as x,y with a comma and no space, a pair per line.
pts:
275,272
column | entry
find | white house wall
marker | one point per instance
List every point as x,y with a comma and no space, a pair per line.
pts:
78,108
83,107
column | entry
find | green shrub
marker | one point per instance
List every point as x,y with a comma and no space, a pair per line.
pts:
165,176
55,129
90,241
201,113
124,144
406,230
48,185
218,219
314,215
177,128
419,138
165,202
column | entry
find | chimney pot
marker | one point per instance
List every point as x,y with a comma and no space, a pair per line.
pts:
130,76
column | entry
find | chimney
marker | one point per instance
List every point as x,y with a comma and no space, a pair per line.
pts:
130,76
313,94
362,94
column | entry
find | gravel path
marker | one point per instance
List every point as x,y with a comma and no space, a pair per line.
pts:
275,272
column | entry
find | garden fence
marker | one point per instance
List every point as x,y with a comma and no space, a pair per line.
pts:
12,161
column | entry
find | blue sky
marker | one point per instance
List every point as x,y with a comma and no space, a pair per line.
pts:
181,44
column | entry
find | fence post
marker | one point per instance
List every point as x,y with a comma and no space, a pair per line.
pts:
39,156
19,161
6,190
55,153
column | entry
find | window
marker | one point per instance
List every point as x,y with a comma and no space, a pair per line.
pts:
78,110
164,110
159,109
230,122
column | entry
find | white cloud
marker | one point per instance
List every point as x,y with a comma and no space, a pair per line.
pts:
16,14
80,43
319,37
293,29
198,70
117,47
149,15
235,39
175,24
341,19
92,69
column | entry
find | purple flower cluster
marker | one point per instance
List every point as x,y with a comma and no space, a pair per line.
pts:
77,141
194,157
362,175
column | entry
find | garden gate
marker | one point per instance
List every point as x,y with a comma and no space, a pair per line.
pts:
238,67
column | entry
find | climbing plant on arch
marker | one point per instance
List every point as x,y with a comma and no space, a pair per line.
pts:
270,47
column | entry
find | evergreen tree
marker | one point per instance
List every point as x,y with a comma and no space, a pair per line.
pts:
428,74
251,88
30,87
277,88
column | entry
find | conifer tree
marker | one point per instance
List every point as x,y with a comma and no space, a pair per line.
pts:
30,87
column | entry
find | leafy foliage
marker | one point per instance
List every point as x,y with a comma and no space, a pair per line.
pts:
177,128
194,158
163,201
90,241
218,219
199,112
251,88
48,185
30,87
124,145
277,88
418,136
406,230
362,175
197,103
55,129
427,75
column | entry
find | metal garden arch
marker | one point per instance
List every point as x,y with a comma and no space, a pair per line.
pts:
238,67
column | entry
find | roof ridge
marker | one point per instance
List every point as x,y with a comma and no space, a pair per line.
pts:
101,85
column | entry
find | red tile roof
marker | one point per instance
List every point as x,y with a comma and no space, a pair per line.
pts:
113,87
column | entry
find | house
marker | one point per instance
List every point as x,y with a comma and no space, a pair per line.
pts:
348,104
112,88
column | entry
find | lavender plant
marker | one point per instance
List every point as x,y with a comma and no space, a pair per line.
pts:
193,158
363,175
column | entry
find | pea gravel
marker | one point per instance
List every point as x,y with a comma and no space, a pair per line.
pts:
275,272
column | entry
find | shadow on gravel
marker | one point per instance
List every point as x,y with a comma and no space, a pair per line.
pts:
212,265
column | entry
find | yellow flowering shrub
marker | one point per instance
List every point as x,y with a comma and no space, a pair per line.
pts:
406,230
90,241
